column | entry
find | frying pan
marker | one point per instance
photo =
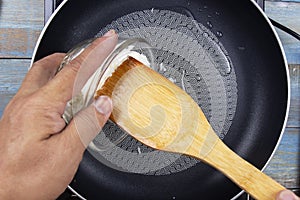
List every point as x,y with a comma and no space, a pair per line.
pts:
262,89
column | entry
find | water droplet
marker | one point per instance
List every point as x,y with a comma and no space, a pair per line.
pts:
172,80
205,34
139,150
208,16
217,13
209,24
219,34
162,68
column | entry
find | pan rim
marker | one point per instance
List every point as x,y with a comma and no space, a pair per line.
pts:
286,73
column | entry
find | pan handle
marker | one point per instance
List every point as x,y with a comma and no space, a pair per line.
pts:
245,175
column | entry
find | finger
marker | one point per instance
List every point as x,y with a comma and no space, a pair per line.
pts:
286,195
74,75
87,124
40,73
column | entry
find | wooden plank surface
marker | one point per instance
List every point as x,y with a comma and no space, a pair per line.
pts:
22,20
20,24
12,73
287,14
294,115
284,166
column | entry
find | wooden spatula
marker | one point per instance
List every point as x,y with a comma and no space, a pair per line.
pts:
159,114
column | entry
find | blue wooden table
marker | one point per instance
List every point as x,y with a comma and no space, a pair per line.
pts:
21,22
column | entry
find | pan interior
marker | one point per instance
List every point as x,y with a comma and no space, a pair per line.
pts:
189,55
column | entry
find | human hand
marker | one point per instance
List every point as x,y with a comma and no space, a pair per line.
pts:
39,154
287,195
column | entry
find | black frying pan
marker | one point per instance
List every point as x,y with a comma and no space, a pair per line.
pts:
262,83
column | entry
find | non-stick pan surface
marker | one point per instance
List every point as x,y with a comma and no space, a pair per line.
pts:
262,101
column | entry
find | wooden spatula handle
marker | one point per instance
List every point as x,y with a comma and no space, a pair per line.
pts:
254,182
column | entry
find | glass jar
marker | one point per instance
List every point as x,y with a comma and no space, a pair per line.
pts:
138,48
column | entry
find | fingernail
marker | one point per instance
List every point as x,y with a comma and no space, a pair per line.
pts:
109,33
103,105
286,195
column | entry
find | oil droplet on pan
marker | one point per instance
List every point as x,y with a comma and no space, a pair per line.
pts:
172,80
209,24
242,48
162,68
219,34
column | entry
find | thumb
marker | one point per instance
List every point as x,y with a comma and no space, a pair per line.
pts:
286,195
87,124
